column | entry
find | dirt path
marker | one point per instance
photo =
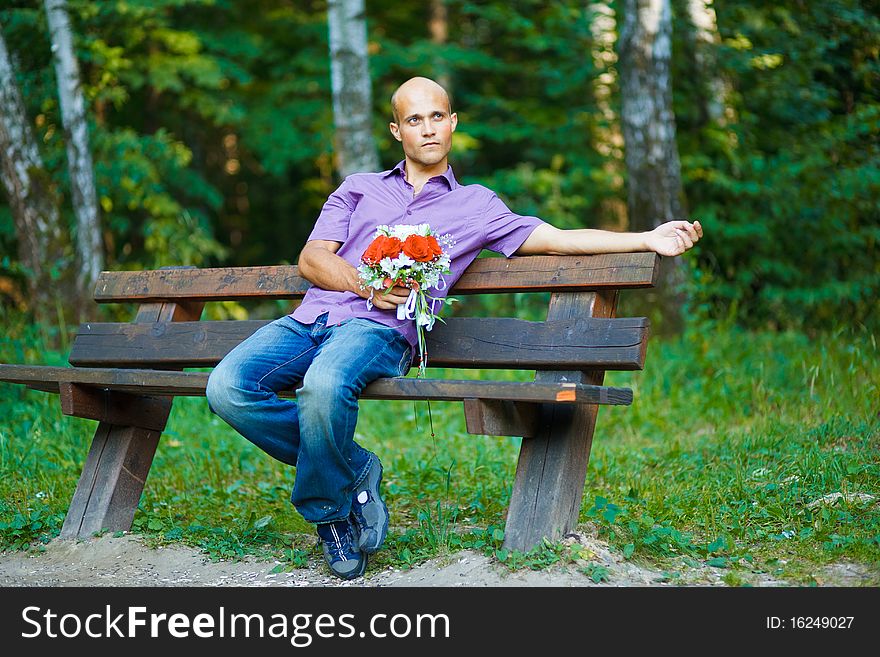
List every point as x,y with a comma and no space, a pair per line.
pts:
126,561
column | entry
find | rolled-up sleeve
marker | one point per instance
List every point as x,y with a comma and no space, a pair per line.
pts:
333,222
505,231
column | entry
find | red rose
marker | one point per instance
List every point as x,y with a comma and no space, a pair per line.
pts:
435,247
421,248
382,247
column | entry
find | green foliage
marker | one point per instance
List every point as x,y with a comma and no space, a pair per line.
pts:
212,132
24,530
787,182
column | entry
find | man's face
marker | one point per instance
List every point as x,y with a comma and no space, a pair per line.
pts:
425,125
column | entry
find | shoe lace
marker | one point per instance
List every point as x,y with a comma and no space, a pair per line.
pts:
341,546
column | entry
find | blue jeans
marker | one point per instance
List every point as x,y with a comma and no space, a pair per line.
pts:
315,432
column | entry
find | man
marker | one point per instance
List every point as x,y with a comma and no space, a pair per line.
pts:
335,345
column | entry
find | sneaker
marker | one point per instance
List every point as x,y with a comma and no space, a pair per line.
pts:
368,511
339,542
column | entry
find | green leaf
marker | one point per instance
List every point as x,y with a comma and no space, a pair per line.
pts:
718,544
628,550
155,524
262,522
599,574
610,514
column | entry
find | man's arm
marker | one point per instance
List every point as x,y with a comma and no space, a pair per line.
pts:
670,239
320,266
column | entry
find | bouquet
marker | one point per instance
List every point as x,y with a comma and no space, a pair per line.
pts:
415,257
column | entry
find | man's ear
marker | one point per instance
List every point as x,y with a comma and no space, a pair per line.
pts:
395,130
453,120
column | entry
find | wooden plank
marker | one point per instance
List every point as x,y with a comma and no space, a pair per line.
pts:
121,454
559,273
551,471
503,343
112,480
484,275
168,383
112,406
209,284
463,342
491,417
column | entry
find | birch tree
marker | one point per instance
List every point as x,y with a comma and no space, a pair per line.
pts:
438,26
90,255
717,107
29,191
654,189
352,91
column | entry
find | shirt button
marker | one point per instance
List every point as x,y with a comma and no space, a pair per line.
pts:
409,211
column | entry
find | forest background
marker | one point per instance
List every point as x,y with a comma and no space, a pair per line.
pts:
212,131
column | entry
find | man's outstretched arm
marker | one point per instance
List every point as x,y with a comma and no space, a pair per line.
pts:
670,239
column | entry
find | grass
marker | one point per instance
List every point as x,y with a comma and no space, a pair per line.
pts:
746,451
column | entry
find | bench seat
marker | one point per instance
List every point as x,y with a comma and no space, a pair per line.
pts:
192,384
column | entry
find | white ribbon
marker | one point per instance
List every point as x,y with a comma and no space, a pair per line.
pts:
407,310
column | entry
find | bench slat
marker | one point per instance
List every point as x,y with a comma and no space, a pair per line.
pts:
483,276
468,342
152,382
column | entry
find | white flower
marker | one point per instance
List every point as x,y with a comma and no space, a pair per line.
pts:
387,265
402,231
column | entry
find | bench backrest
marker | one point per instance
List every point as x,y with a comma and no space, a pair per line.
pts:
582,340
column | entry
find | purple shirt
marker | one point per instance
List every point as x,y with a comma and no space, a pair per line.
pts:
475,217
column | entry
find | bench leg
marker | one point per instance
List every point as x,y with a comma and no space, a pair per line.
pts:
550,475
112,480
120,457
552,466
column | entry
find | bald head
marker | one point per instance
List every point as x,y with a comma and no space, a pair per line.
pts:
417,87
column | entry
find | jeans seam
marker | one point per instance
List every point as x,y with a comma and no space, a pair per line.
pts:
280,365
366,470
406,356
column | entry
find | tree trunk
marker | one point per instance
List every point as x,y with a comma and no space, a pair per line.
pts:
716,105
31,198
90,254
350,81
655,193
438,24
607,138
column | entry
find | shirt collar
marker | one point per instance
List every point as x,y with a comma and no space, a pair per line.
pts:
448,176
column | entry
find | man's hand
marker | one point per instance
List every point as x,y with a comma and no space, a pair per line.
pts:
674,237
387,298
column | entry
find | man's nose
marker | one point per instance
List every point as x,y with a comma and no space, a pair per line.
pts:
428,128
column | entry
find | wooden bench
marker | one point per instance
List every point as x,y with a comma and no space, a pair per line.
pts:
126,375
